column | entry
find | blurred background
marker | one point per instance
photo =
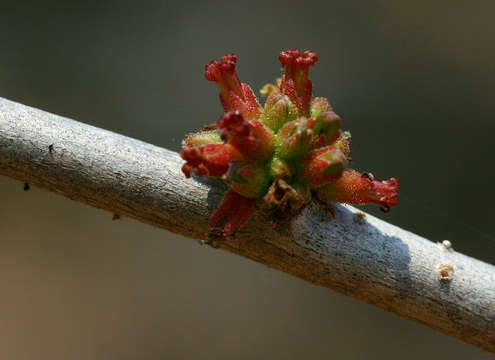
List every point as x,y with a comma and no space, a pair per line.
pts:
414,82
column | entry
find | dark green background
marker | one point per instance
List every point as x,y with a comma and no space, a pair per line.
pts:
413,80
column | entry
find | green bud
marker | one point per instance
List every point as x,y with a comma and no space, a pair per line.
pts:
202,138
336,161
293,139
278,111
268,89
327,123
318,106
248,179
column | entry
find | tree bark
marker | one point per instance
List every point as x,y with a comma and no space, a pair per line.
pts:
350,251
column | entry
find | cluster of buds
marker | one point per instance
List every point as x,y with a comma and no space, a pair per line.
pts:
277,156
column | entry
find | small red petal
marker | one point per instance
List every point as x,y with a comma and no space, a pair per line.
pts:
235,210
209,160
288,56
252,109
229,59
287,87
309,58
311,123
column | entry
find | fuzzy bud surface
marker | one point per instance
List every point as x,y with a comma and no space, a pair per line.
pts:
281,155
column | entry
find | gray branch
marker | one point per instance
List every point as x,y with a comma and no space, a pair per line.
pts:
350,252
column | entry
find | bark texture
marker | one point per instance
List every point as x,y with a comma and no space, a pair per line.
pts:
350,252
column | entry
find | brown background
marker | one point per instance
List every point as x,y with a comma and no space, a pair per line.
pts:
414,81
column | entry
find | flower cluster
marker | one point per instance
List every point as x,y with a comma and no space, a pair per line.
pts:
278,155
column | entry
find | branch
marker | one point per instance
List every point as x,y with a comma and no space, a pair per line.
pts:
360,256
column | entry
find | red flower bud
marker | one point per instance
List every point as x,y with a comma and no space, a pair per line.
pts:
279,155
233,94
323,166
208,160
234,210
251,138
356,188
295,83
